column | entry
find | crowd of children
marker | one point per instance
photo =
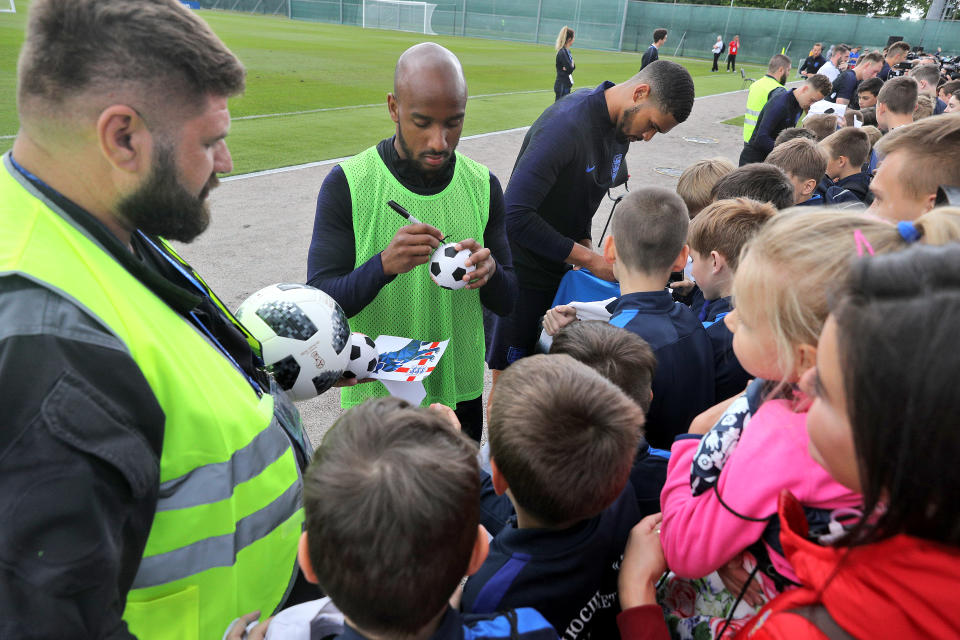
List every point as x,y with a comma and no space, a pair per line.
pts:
748,452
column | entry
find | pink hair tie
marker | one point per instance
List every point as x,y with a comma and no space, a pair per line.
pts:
862,243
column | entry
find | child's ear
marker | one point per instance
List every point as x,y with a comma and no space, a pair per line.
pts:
844,161
481,547
681,261
609,250
303,558
500,484
806,358
808,187
719,262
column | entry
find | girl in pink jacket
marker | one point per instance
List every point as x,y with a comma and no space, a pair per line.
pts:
720,498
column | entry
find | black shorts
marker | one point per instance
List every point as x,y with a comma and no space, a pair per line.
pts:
512,337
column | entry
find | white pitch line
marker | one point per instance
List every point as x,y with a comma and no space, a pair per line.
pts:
368,106
321,163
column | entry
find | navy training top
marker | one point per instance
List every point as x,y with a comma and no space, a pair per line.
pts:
781,112
845,86
330,261
521,624
683,383
730,378
647,475
568,575
650,55
568,160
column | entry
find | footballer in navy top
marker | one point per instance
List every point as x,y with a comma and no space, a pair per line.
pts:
683,383
568,160
568,575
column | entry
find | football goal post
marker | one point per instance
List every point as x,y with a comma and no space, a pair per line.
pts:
401,15
7,6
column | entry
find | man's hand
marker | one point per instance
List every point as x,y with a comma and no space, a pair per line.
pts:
734,577
557,318
481,259
683,287
447,414
411,246
601,268
643,563
239,629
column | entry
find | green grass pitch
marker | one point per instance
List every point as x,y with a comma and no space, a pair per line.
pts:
298,66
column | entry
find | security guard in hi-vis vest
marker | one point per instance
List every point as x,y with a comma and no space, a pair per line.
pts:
778,70
149,472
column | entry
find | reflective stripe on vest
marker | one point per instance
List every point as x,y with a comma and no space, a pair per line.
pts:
224,538
756,99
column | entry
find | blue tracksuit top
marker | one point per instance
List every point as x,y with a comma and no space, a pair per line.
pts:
683,383
731,379
568,575
522,624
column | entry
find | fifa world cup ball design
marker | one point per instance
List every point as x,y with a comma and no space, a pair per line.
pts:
304,336
363,355
447,266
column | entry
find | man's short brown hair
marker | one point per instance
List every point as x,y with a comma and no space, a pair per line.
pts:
899,95
727,225
898,48
155,51
850,142
800,158
820,83
697,181
932,148
620,356
650,229
873,57
777,61
391,510
563,437
930,73
822,124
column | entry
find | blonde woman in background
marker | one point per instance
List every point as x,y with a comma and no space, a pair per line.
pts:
565,64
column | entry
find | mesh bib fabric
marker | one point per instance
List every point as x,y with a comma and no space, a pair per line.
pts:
412,306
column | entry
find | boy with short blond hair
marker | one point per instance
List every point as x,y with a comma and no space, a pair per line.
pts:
697,181
805,163
716,240
847,150
562,441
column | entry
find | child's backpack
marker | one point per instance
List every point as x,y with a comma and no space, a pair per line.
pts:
723,48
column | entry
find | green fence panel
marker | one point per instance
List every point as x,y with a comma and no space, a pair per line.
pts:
765,32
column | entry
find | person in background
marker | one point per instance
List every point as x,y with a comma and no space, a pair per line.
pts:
565,66
652,53
896,103
717,50
867,92
928,78
732,56
896,53
812,63
779,113
845,85
765,88
837,63
953,106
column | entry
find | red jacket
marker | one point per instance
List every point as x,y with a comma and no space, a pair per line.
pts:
902,587
734,45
